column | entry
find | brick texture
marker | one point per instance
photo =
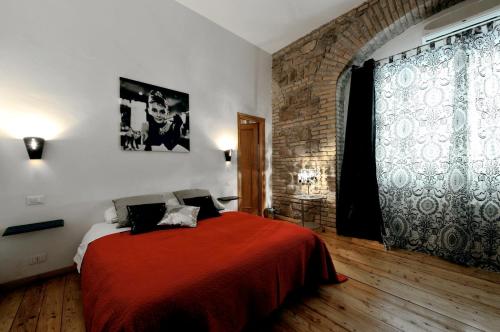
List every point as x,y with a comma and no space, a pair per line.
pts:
305,78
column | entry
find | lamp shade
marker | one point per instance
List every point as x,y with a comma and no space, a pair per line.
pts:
227,155
34,147
307,176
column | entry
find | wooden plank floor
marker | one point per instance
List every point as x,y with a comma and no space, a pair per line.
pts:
387,291
50,305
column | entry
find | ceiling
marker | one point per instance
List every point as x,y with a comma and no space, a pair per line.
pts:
270,24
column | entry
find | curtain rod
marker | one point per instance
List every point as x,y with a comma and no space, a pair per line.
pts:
478,29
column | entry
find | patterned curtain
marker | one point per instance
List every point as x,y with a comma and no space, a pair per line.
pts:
438,149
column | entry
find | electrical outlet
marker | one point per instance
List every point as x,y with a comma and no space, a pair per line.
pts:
37,259
42,258
35,200
32,260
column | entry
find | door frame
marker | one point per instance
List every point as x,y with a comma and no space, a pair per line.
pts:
262,157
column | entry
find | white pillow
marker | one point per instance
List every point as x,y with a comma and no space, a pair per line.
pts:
218,205
110,216
180,215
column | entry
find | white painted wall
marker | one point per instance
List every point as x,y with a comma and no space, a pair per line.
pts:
59,66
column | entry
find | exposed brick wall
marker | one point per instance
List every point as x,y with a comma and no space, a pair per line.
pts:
305,77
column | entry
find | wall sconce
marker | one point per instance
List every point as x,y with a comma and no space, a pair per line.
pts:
34,146
307,177
227,155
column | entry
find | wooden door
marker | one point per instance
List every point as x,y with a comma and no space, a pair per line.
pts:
249,168
250,164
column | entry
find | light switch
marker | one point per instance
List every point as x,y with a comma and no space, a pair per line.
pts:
35,200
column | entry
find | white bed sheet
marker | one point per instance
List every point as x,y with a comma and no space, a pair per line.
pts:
95,232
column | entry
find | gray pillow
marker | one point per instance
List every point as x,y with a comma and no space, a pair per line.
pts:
170,199
121,205
190,193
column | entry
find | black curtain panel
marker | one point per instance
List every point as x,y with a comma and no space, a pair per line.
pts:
358,207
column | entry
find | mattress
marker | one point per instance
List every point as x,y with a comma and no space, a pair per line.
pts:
219,276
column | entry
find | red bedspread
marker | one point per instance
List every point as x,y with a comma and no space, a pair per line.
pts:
216,277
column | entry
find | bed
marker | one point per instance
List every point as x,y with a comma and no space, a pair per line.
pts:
219,276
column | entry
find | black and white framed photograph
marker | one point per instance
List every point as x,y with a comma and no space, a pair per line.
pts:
153,118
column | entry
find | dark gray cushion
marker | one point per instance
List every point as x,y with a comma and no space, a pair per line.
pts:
206,205
122,203
145,217
190,193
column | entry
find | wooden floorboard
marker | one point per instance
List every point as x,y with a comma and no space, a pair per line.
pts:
383,306
9,305
51,313
29,309
72,319
427,260
425,279
393,290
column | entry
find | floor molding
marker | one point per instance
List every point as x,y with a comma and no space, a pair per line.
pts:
38,277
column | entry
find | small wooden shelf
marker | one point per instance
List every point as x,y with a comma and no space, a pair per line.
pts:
228,198
38,226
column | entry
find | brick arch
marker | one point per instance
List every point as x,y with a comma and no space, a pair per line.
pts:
305,78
